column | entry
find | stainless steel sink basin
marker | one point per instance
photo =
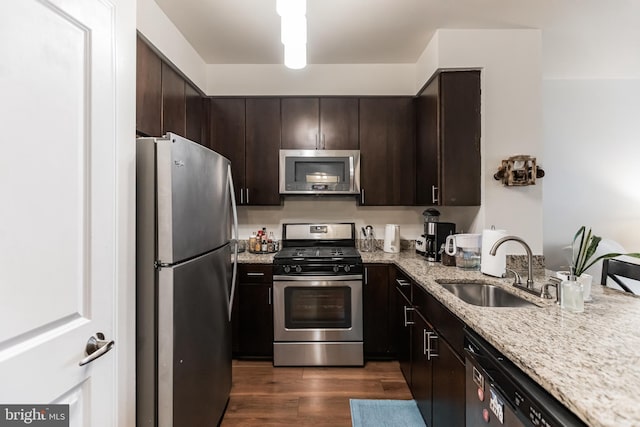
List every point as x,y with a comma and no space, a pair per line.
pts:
485,295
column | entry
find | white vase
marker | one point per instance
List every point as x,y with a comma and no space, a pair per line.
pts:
584,279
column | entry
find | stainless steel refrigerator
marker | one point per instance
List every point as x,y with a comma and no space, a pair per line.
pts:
185,282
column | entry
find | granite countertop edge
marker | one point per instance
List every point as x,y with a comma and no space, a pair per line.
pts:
588,361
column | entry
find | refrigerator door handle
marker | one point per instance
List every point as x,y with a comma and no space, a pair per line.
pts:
235,240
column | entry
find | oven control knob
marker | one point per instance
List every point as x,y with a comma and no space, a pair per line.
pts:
298,269
347,268
287,268
336,268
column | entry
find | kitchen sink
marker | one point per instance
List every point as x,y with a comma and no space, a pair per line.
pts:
485,295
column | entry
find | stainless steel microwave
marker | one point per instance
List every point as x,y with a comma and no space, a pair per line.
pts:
319,171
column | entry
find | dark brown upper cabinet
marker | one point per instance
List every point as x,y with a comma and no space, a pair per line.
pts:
148,91
173,102
448,140
247,132
327,123
387,151
194,114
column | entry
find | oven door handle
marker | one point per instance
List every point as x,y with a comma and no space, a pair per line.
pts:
317,278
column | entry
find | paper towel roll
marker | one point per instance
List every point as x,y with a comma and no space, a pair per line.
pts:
489,264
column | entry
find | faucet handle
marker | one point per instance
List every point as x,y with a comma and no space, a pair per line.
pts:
553,282
517,280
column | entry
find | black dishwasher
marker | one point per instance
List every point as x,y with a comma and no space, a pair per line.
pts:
500,394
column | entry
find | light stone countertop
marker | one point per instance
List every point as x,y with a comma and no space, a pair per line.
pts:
589,361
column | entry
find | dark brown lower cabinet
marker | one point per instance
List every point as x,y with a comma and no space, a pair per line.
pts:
427,340
376,312
252,317
402,324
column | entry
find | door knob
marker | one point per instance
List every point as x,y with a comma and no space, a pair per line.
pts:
96,346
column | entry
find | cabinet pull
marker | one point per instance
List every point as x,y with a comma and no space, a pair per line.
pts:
434,197
251,274
324,142
362,196
317,142
242,196
366,276
407,322
430,352
269,296
247,195
403,283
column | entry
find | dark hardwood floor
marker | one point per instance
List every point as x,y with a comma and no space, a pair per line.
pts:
262,395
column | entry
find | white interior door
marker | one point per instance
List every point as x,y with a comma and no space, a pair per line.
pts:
58,186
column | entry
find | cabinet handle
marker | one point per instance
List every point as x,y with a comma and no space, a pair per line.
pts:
324,142
403,283
366,276
269,296
407,322
242,196
251,274
429,351
247,195
362,196
434,197
317,142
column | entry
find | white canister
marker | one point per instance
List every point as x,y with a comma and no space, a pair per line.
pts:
392,238
489,264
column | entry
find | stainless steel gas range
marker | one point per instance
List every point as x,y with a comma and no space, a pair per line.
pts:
317,297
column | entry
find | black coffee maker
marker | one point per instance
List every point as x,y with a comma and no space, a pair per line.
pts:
435,233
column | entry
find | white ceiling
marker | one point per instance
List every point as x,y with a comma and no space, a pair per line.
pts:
374,31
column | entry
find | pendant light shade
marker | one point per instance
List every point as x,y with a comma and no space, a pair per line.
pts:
293,32
295,56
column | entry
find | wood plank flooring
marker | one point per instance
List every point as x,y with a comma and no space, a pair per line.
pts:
262,395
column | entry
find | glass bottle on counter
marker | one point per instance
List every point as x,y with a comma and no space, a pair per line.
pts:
271,242
252,241
572,295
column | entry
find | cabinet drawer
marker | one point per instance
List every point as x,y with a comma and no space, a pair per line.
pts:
446,323
255,273
403,285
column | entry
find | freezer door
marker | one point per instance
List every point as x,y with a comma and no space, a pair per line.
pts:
194,341
193,199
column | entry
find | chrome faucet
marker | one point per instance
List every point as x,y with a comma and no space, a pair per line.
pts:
499,242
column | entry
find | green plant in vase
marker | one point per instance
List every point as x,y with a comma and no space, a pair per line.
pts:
584,247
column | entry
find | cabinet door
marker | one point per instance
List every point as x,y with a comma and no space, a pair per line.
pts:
227,136
427,144
339,124
148,91
402,332
300,120
460,138
448,140
387,151
262,155
422,368
173,102
376,312
194,114
252,319
448,387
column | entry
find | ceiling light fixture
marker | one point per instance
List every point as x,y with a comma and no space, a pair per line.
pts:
293,33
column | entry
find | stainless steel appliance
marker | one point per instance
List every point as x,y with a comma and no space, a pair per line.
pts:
317,297
500,394
319,172
184,282
435,234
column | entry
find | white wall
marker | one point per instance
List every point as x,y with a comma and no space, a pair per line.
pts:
510,62
345,209
314,79
591,98
156,27
592,147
